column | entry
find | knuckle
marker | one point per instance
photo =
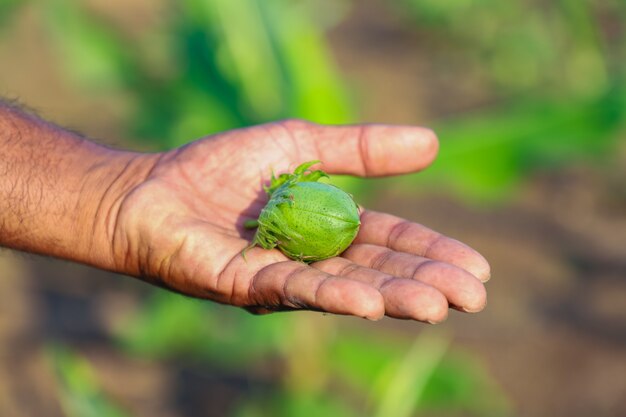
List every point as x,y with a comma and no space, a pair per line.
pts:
294,124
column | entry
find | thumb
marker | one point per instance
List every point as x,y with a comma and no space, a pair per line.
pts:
370,150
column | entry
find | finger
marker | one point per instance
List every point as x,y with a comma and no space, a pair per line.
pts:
404,236
404,298
261,311
267,280
296,285
371,150
462,289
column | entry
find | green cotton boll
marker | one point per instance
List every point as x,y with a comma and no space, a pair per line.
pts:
306,219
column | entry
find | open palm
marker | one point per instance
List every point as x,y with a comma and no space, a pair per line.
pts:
182,227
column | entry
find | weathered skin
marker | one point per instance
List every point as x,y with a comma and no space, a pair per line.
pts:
307,220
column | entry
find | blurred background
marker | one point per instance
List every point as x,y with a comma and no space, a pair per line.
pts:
529,101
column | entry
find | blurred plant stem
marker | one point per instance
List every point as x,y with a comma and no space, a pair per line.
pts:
305,350
400,387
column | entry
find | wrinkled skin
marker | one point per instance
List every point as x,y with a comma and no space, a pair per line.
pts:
181,226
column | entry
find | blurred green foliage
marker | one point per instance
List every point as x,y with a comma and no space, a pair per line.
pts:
208,332
222,64
7,10
80,393
556,47
327,371
557,72
556,80
485,156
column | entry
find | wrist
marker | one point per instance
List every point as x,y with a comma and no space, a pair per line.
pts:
108,182
59,193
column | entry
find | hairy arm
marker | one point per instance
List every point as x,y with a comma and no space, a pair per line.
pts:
57,189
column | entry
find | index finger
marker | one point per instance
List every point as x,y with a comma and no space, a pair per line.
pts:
405,236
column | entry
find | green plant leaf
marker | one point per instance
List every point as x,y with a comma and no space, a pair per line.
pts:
484,155
399,388
462,382
79,389
315,91
173,326
8,9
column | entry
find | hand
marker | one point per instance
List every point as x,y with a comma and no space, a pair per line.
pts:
182,227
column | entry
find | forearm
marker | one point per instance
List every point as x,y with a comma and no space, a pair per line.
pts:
58,191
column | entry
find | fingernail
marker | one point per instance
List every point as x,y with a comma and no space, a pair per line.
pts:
474,310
